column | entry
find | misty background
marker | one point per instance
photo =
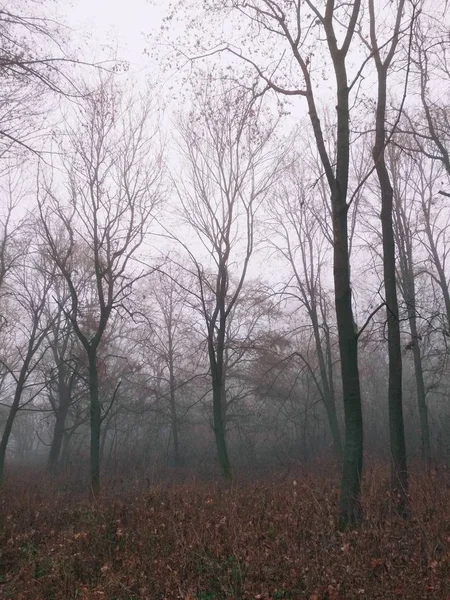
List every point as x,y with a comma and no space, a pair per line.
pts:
165,217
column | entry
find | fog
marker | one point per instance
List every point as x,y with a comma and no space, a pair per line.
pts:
224,244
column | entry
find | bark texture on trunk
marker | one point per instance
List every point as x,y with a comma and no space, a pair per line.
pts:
350,503
350,500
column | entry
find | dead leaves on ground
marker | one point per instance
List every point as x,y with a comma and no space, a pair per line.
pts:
255,541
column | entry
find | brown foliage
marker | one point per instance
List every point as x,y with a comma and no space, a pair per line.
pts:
266,539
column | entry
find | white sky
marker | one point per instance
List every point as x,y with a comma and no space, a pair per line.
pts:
121,23
132,27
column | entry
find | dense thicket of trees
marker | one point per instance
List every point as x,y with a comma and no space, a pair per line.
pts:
263,277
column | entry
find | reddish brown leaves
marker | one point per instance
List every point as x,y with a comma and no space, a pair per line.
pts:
255,541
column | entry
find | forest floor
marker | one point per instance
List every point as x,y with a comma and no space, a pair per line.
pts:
270,538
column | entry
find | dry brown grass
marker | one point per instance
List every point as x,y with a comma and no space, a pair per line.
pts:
265,539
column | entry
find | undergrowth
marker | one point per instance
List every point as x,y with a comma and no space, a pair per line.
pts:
265,539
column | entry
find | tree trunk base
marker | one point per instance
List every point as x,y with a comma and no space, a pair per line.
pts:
351,517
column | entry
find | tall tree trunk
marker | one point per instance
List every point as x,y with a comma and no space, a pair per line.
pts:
219,430
60,422
65,452
217,364
399,471
350,500
350,503
95,414
57,440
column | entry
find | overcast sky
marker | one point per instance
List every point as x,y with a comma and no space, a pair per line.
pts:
126,23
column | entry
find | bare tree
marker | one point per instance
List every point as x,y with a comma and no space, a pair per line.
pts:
230,166
63,374
36,66
13,191
433,227
297,26
95,226
405,221
383,53
297,235
431,130
29,288
170,332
